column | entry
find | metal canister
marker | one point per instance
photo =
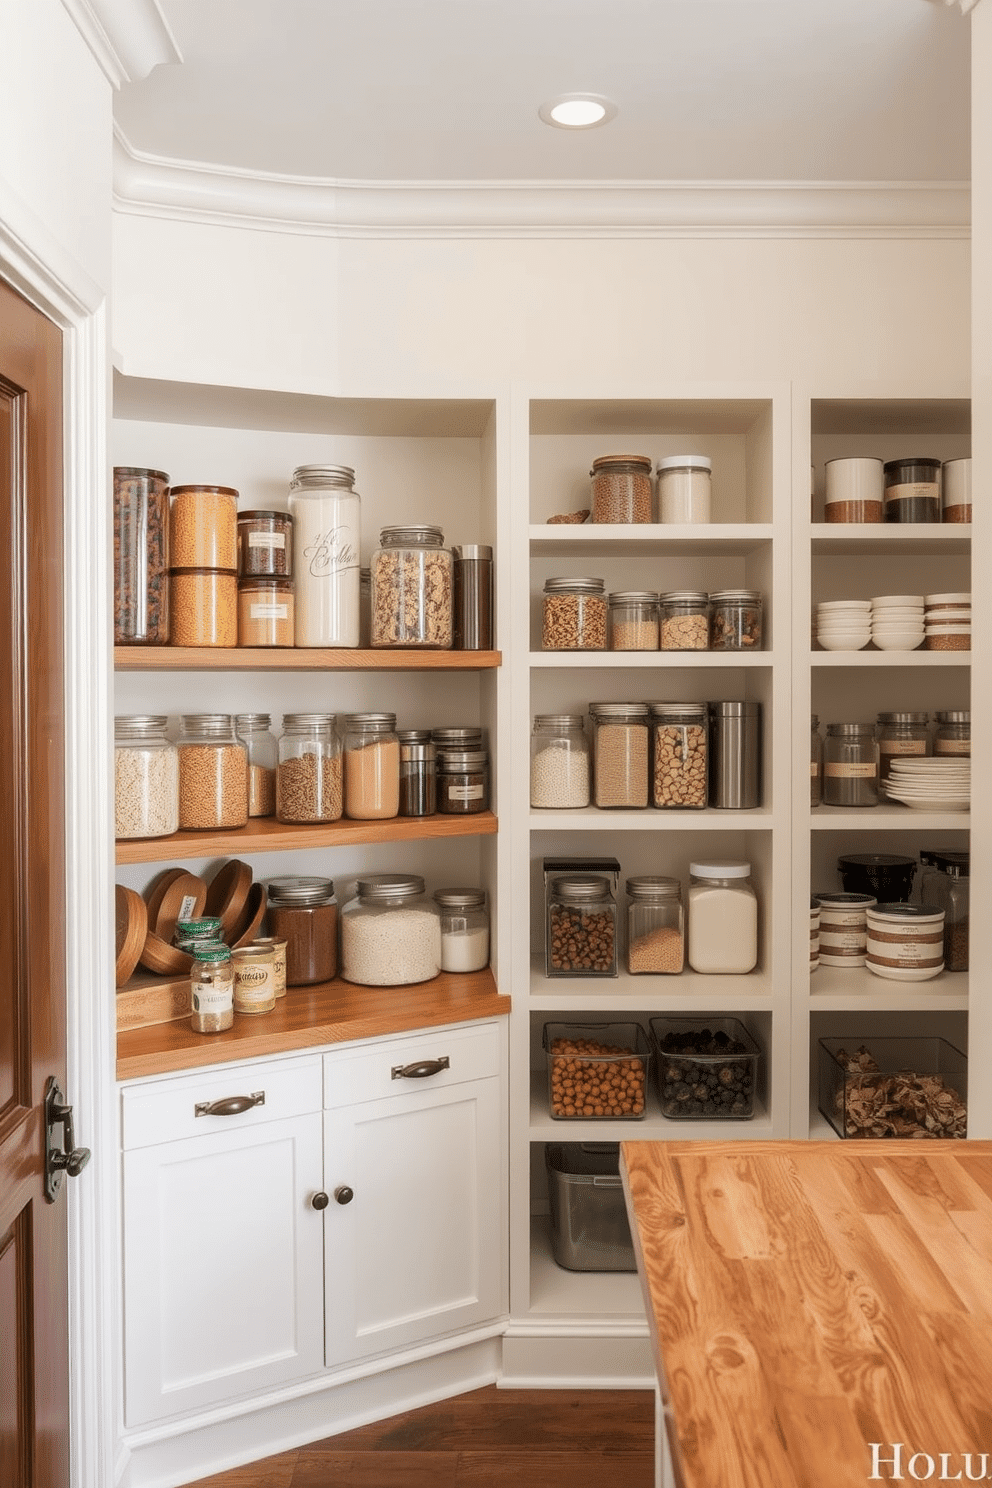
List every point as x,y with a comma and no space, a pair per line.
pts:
735,755
254,979
472,597
278,949
418,779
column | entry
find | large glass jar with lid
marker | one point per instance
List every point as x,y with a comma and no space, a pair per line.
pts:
953,734
213,773
633,618
581,931
621,488
303,912
146,777
655,925
309,784
679,756
141,556
900,734
371,766
573,614
254,729
390,932
850,765
815,762
736,622
559,762
464,929
327,519
723,917
684,617
412,588
620,755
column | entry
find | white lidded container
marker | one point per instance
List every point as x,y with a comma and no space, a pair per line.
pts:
684,486
326,512
905,942
723,917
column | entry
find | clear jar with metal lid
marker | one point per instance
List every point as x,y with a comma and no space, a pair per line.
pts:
254,729
265,544
573,615
953,735
581,932
309,783
327,532
900,734
684,621
736,620
905,942
723,917
213,773
266,612
655,925
141,556
466,736
956,869
371,766
679,756
684,488
464,929
912,490
412,588
850,765
211,989
633,620
146,777
620,754
462,781
621,488
303,912
390,932
204,527
418,773
815,762
254,979
559,762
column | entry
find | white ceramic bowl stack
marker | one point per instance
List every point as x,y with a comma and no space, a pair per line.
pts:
948,622
843,624
897,622
929,784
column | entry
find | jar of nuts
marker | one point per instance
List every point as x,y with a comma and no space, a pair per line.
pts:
574,615
581,936
679,756
597,1071
213,773
621,488
412,588
735,620
655,925
620,765
309,776
685,624
634,620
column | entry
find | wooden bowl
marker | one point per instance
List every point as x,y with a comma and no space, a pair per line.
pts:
251,917
228,894
132,927
183,899
158,955
155,892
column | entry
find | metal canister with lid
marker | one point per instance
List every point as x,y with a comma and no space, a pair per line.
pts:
472,628
254,978
418,772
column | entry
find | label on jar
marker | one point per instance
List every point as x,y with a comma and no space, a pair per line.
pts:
187,908
212,997
254,986
466,792
268,540
842,940
903,953
851,772
913,491
814,769
952,746
902,746
268,611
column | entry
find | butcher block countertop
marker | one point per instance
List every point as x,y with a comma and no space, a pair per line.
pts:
810,1299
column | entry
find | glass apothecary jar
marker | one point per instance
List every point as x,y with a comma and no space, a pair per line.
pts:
815,762
254,729
141,556
953,733
462,781
633,620
684,621
581,930
303,912
412,588
204,527
723,918
390,932
559,762
327,533
655,925
736,622
146,777
679,756
265,544
211,989
956,869
371,766
573,615
912,490
620,755
266,612
684,488
309,774
418,773
213,773
850,765
900,734
621,488
464,929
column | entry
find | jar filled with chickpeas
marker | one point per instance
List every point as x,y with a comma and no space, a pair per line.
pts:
684,621
679,756
213,773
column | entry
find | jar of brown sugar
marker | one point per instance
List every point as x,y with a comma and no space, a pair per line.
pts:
204,607
304,913
621,488
204,527
266,612
371,766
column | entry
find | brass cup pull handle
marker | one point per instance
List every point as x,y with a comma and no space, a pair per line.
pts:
420,1070
231,1105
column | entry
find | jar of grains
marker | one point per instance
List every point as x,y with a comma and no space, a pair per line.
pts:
723,918
581,933
146,778
736,620
684,483
815,762
278,949
905,942
266,612
850,765
620,753
464,929
304,913
327,513
253,729
371,766
418,779
204,527
462,781
854,490
655,925
912,490
309,774
621,488
213,773
559,762
265,544
390,932
412,588
953,734
573,615
900,734
679,755
141,556
955,482
633,617
203,607
684,621
211,989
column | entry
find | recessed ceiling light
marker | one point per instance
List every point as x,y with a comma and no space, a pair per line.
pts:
578,111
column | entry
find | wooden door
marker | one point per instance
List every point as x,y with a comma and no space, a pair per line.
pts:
33,1234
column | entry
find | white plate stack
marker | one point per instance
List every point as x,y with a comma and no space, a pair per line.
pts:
843,624
897,622
948,622
929,784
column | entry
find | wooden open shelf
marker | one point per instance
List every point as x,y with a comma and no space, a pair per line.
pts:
296,659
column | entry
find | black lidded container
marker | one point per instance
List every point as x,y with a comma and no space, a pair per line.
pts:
912,490
887,876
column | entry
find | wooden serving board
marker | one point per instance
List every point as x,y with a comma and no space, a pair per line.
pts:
146,1000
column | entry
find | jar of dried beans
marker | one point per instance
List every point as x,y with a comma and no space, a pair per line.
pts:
371,766
327,514
633,617
412,588
685,621
655,925
680,752
255,732
574,615
141,556
581,933
621,488
309,775
204,527
213,773
620,768
303,912
146,778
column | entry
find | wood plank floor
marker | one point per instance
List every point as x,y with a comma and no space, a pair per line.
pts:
486,1438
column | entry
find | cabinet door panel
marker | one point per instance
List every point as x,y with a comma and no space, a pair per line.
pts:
416,1253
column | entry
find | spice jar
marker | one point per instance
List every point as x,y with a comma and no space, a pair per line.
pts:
843,928
912,490
953,735
655,925
412,588
815,762
723,918
211,989
955,481
472,625
956,868
371,766
266,612
141,556
203,607
146,777
574,615
254,979
633,620
735,620
464,929
559,762
905,942
679,755
621,488
204,527
685,624
620,754
581,931
463,737
304,913
854,490
462,781
900,734
850,765
213,773
254,732
327,517
390,932
265,544
278,949
418,777
309,774
684,483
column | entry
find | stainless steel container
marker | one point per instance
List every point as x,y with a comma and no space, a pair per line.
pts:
473,597
735,756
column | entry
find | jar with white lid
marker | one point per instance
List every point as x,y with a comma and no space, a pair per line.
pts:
621,488
254,730
412,588
327,532
620,756
390,932
371,766
684,488
953,735
464,929
573,614
633,617
900,734
736,622
905,942
309,784
723,918
655,925
581,932
213,773
559,762
684,620
146,777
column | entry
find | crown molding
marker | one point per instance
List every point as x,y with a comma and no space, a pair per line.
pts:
127,37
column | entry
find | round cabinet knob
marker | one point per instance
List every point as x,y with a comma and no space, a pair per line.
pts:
319,1201
344,1194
